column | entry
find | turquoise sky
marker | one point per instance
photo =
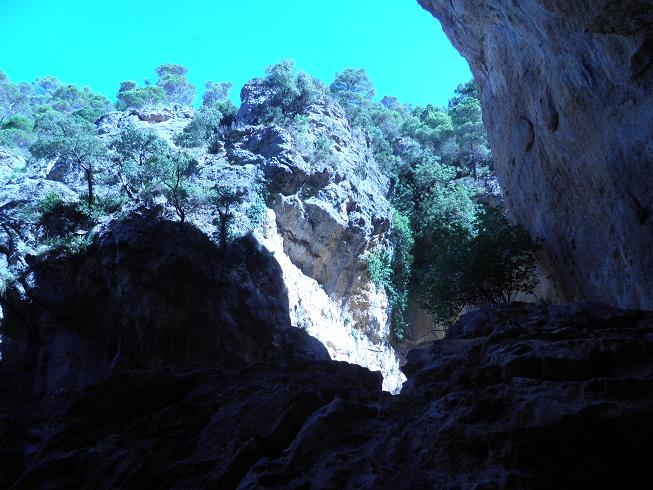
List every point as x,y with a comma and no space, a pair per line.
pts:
101,43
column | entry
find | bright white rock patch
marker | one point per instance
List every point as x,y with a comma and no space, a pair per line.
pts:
329,320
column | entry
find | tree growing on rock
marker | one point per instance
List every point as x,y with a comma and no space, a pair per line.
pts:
289,92
173,81
281,79
353,87
130,96
68,99
215,92
172,170
17,131
206,122
355,92
74,140
226,199
473,153
14,98
134,150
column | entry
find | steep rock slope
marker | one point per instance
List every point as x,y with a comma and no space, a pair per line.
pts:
327,210
566,89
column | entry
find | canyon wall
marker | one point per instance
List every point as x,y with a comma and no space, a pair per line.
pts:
568,103
325,210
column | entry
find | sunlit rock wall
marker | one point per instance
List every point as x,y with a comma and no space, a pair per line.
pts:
356,338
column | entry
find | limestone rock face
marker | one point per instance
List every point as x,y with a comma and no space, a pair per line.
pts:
331,320
328,207
567,94
150,292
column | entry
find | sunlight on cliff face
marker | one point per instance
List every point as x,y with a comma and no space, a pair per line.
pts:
329,321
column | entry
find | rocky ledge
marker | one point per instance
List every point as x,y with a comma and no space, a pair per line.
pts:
108,390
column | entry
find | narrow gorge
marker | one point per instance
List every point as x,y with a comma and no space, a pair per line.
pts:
320,288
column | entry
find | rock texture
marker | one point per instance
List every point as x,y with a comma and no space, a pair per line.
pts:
567,93
331,321
328,208
517,396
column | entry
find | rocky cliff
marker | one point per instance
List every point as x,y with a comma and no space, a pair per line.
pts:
154,357
566,89
326,210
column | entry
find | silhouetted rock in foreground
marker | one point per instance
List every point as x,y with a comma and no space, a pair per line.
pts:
158,361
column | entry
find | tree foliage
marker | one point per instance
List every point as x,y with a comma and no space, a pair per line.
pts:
207,122
70,98
232,194
290,93
215,92
23,104
355,92
14,98
132,97
74,140
173,81
489,266
135,149
226,199
172,170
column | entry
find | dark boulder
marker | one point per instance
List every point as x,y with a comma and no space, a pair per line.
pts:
517,396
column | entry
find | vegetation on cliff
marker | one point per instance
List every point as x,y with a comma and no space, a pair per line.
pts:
450,244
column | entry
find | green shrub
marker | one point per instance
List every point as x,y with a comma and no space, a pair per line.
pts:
403,241
257,209
16,138
379,266
6,279
71,244
106,205
18,121
205,123
290,92
488,267
50,203
393,271
140,98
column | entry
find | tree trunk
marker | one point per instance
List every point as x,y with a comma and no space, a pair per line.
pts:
181,213
89,183
224,235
